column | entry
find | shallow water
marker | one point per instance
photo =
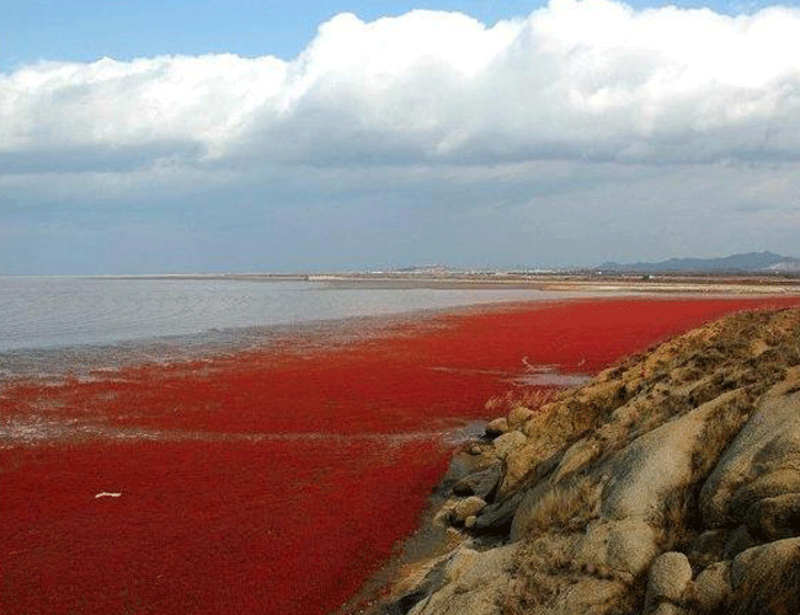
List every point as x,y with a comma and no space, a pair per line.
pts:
60,311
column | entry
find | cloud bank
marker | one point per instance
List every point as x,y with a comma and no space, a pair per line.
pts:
584,81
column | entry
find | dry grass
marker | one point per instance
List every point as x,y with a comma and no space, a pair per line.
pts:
564,508
531,398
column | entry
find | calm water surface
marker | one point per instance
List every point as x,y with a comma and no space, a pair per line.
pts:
52,312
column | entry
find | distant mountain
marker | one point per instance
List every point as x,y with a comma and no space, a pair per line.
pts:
753,262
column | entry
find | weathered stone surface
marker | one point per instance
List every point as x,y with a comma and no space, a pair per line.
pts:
518,463
669,576
658,463
473,583
577,457
507,443
777,482
763,459
766,579
466,508
480,483
475,449
775,518
712,586
752,565
497,518
588,596
497,427
568,506
627,546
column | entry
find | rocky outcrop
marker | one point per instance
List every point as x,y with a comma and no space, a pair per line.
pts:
669,484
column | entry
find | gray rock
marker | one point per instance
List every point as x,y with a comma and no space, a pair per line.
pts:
658,463
756,563
475,449
497,518
775,518
766,579
669,576
769,444
480,483
627,546
473,583
497,427
712,586
588,596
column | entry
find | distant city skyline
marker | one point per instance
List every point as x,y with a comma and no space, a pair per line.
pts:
175,136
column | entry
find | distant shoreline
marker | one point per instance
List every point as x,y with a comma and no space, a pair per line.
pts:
726,283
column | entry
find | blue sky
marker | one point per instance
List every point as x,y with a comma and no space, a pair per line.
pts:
257,135
32,30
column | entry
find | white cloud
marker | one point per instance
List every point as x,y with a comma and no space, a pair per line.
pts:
590,80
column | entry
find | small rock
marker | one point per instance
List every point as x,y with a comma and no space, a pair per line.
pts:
474,449
466,508
470,521
481,483
712,586
669,576
497,427
507,443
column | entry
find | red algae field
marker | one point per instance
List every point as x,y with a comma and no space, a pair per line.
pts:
275,480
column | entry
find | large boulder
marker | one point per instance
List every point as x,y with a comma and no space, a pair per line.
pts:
762,461
661,462
766,579
473,583
628,546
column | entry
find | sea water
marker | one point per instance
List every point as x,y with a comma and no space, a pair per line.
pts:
41,312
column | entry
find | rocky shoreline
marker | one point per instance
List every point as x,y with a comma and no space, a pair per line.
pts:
669,484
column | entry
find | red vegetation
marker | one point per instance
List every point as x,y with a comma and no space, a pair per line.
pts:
273,481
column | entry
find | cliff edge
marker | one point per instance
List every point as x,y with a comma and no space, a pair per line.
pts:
670,484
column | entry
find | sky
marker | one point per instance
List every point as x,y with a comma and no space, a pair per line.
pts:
207,136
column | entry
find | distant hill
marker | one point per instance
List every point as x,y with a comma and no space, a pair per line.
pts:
753,262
